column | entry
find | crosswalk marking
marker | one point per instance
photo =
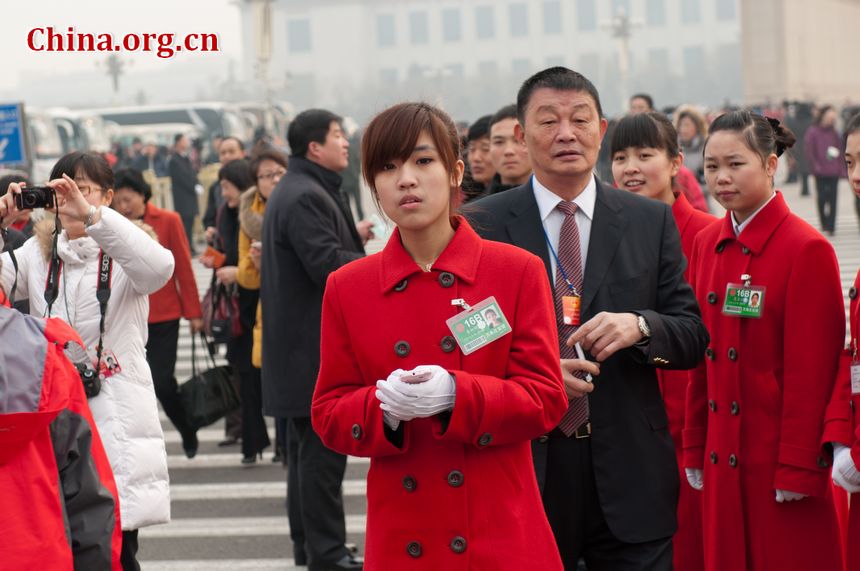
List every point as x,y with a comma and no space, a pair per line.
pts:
219,565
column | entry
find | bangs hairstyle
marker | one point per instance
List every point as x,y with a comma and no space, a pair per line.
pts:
642,130
392,135
764,136
93,165
132,179
237,172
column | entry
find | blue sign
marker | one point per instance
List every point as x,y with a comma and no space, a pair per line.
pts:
12,150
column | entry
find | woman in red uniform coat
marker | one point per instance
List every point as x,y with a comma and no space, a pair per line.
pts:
755,408
645,160
451,484
842,428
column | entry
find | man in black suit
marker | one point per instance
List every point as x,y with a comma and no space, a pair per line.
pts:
308,232
183,182
607,473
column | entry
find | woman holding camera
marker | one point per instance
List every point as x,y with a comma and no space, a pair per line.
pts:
59,272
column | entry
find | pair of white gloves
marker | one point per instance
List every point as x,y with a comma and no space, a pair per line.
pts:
424,391
845,474
696,481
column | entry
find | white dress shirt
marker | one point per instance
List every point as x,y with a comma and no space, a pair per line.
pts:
552,218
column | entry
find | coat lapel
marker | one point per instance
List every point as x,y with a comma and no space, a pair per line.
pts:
607,229
525,228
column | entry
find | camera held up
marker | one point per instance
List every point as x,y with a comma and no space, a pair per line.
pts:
35,197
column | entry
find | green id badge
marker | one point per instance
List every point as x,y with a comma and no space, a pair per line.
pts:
744,300
479,325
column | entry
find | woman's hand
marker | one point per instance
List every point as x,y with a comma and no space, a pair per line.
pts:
255,252
196,325
207,261
9,213
69,196
227,274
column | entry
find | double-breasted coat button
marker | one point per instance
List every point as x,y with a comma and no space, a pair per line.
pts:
402,348
712,404
721,247
713,457
455,478
409,483
822,462
413,548
401,285
733,354
709,353
448,344
735,408
543,439
458,544
852,293
733,461
745,250
446,279
712,297
485,439
356,432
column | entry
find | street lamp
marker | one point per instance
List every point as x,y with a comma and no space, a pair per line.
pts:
621,27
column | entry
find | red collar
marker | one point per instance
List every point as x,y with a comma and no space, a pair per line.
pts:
460,257
760,229
682,211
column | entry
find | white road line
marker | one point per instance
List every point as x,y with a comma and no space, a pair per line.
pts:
179,461
235,527
248,490
220,565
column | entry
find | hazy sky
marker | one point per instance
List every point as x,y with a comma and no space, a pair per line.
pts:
117,17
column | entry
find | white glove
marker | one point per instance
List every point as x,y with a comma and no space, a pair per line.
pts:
695,478
783,496
845,473
423,392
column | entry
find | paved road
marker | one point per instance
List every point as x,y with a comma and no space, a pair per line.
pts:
230,517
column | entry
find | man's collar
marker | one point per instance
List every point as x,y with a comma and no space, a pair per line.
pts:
330,180
547,200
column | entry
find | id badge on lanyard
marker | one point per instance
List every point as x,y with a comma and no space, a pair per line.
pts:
744,299
478,325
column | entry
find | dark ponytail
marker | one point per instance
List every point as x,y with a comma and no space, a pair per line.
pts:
764,135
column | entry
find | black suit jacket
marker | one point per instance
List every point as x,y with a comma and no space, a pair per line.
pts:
634,264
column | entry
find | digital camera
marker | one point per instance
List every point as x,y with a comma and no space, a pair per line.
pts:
35,197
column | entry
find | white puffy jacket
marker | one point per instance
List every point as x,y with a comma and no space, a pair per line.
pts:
125,411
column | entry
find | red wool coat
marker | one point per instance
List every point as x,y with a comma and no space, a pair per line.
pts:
179,297
755,408
842,423
687,543
459,492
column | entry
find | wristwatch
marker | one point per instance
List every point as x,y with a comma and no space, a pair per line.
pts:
92,212
644,329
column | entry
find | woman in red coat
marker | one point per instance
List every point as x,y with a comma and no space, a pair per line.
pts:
412,376
842,426
769,289
645,160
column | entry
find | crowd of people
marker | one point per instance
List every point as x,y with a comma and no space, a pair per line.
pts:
560,358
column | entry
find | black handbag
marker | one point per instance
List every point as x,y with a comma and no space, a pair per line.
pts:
221,319
209,394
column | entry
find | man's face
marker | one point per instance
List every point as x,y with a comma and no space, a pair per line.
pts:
509,154
479,160
229,150
182,144
639,105
562,131
334,153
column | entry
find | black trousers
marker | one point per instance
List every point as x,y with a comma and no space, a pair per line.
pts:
161,356
294,501
188,224
320,474
825,188
251,425
128,554
577,520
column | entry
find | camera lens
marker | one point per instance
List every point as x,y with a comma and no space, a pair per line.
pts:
30,200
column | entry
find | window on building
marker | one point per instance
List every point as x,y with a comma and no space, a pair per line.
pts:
388,77
418,71
418,32
551,17
519,14
552,61
451,31
385,30
726,10
521,67
485,22
621,5
487,68
299,35
655,12
453,71
589,65
694,61
691,11
586,15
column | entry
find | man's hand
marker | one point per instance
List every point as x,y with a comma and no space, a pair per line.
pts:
574,386
364,230
607,333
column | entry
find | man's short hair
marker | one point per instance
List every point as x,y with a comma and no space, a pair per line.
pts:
560,78
177,137
232,138
506,112
308,127
644,97
479,129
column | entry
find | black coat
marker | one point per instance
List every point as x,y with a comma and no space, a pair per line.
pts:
307,234
182,182
634,264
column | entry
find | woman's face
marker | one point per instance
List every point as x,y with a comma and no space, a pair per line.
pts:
230,192
416,193
129,203
268,174
646,171
829,118
735,174
852,160
687,129
92,193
